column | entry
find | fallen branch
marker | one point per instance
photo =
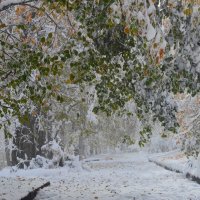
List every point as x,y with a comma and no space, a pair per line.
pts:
31,195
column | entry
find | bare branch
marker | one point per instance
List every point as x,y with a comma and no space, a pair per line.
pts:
6,76
47,14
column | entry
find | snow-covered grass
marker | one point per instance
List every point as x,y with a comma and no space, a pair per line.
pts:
55,173
119,176
178,161
174,160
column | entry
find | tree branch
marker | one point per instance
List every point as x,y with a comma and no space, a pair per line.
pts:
47,14
6,76
9,3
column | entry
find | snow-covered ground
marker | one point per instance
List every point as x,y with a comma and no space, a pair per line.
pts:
174,160
15,188
177,161
113,177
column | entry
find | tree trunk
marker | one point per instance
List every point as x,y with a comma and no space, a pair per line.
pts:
81,147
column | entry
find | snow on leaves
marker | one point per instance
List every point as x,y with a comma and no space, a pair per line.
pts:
141,50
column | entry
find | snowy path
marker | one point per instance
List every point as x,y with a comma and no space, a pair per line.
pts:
120,177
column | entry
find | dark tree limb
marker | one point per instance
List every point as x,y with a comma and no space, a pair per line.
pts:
31,195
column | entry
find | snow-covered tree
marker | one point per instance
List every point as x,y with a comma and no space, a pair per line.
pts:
129,50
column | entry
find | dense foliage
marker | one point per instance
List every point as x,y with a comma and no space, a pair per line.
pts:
143,50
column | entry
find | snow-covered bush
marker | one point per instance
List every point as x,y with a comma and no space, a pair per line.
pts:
189,119
53,151
162,141
39,162
191,142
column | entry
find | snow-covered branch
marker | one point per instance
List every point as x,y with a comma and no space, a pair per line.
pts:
9,3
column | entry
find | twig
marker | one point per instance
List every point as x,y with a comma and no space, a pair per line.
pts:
47,14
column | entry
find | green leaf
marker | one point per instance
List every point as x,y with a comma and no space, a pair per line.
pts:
43,39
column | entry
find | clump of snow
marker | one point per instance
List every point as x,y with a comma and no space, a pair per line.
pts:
39,162
140,16
193,166
166,25
151,9
151,32
91,116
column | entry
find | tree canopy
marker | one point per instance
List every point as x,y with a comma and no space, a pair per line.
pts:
140,50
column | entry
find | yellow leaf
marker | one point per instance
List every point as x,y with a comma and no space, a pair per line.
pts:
68,81
134,31
33,41
155,45
20,9
29,17
34,113
2,26
41,13
146,72
187,11
126,30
